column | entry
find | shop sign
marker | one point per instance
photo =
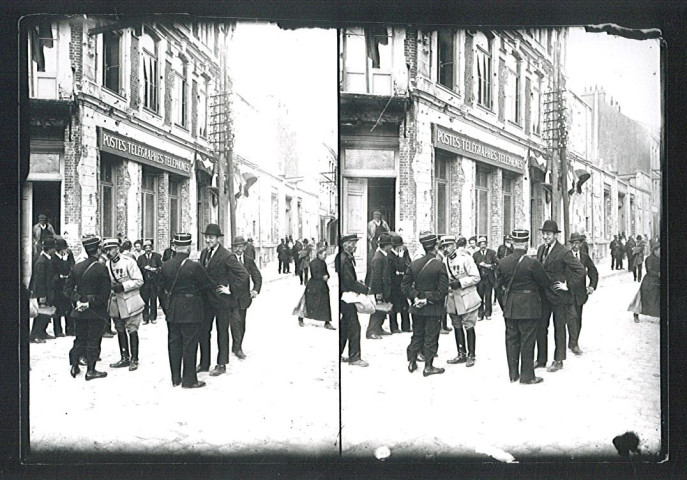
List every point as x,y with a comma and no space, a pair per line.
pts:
122,146
369,160
477,150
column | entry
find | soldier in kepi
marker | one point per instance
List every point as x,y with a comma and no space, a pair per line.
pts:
520,279
88,286
463,301
183,283
126,304
426,286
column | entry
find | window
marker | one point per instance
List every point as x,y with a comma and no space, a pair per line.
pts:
482,202
446,57
179,96
607,214
201,220
202,109
484,69
174,208
508,205
442,199
535,116
367,60
513,91
150,72
111,61
149,192
43,66
107,199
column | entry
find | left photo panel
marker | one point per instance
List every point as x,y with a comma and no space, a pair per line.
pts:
178,234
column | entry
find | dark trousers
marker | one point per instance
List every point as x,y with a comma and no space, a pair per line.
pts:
405,320
575,333
619,263
563,316
237,323
304,274
375,324
520,338
149,295
637,272
349,331
223,317
425,337
40,323
88,335
182,345
287,266
614,262
485,290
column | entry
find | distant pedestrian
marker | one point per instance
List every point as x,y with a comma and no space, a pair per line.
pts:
63,263
126,305
629,247
619,253
398,264
150,264
521,279
613,248
183,283
249,251
426,285
282,257
581,290
316,295
375,228
485,258
349,331
472,245
379,281
463,301
245,295
638,252
137,252
295,252
41,231
304,257
89,287
42,287
647,301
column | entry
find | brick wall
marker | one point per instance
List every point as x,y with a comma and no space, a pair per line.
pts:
76,50
410,47
162,211
88,173
72,186
168,87
135,75
469,61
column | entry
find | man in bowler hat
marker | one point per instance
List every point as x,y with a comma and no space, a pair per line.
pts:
398,264
349,332
581,290
222,306
183,282
564,270
426,286
150,264
244,294
520,278
379,281
485,258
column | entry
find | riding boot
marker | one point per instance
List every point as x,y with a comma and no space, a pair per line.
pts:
133,337
471,346
123,349
460,344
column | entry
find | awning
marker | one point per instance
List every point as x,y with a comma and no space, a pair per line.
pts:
205,164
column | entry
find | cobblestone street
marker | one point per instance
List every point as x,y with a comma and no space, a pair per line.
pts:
283,399
612,388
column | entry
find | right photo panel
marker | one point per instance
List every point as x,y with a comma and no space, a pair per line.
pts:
499,260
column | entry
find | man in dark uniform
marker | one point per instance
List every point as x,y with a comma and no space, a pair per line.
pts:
349,333
42,287
150,264
169,253
281,256
398,264
89,289
564,270
62,263
244,294
505,249
485,258
249,251
521,278
182,284
379,281
426,285
613,247
580,290
226,273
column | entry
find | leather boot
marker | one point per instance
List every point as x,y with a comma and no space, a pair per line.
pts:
430,369
133,336
471,347
92,373
460,343
124,350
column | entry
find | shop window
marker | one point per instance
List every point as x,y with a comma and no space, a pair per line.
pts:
111,61
202,109
535,106
367,60
442,199
508,205
150,62
513,91
446,59
484,70
108,209
179,96
174,208
149,206
482,202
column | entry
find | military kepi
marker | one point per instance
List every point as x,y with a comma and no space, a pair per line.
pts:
428,240
520,236
446,239
110,242
182,239
90,244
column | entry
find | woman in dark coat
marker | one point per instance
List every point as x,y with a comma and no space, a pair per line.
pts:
648,298
315,303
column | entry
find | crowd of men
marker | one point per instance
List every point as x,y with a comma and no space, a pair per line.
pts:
458,278
111,283
301,253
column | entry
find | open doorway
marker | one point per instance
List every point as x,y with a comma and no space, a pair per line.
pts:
46,200
381,195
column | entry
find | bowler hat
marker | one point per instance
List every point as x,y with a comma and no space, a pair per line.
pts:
428,239
550,226
520,236
60,243
48,242
213,229
182,239
396,240
384,240
348,238
238,240
576,237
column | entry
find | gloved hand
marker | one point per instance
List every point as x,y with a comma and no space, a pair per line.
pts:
119,288
455,284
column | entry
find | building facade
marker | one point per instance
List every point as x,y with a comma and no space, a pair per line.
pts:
443,130
119,140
